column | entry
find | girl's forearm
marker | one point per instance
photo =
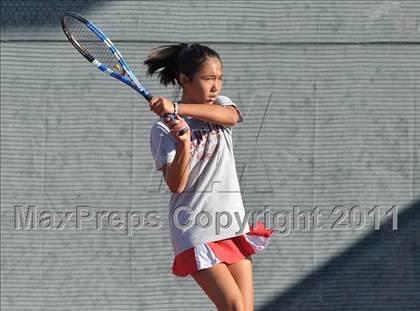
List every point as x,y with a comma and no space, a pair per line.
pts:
222,115
178,171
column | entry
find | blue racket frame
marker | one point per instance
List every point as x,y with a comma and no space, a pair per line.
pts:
131,80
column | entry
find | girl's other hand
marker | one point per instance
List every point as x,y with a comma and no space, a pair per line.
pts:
161,105
175,126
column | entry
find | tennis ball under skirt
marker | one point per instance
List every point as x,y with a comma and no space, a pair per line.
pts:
229,250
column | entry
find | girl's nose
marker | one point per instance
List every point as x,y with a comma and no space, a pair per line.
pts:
217,85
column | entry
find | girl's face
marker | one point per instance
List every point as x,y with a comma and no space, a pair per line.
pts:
206,84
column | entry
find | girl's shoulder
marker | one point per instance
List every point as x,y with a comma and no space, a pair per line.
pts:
226,101
223,100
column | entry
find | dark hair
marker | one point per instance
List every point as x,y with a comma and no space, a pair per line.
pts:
171,60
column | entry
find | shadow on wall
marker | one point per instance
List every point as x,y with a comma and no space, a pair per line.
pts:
32,13
381,272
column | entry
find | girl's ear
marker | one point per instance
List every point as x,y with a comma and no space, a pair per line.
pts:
183,79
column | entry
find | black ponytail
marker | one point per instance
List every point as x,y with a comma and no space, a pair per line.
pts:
171,60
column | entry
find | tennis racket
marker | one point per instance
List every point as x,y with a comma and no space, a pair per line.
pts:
99,50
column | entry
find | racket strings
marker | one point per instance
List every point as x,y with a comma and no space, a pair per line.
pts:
91,43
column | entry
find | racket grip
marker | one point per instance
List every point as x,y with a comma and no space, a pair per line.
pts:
173,117
147,96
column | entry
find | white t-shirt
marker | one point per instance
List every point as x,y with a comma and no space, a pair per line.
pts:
212,190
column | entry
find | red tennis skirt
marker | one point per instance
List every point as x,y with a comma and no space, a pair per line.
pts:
229,250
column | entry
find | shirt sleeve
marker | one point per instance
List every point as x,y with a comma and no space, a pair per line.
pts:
162,145
226,101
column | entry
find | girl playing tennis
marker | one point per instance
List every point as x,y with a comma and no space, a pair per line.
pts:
210,235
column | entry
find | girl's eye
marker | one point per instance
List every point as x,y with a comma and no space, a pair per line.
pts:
212,78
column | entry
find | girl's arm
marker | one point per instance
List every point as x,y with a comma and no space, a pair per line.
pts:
176,173
213,113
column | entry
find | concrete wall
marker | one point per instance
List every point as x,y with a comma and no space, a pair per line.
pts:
330,91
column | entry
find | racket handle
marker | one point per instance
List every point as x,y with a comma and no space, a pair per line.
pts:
147,96
173,117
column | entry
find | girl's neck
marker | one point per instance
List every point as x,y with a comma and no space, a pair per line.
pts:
185,99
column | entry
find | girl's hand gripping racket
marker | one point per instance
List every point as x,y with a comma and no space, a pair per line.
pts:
98,49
